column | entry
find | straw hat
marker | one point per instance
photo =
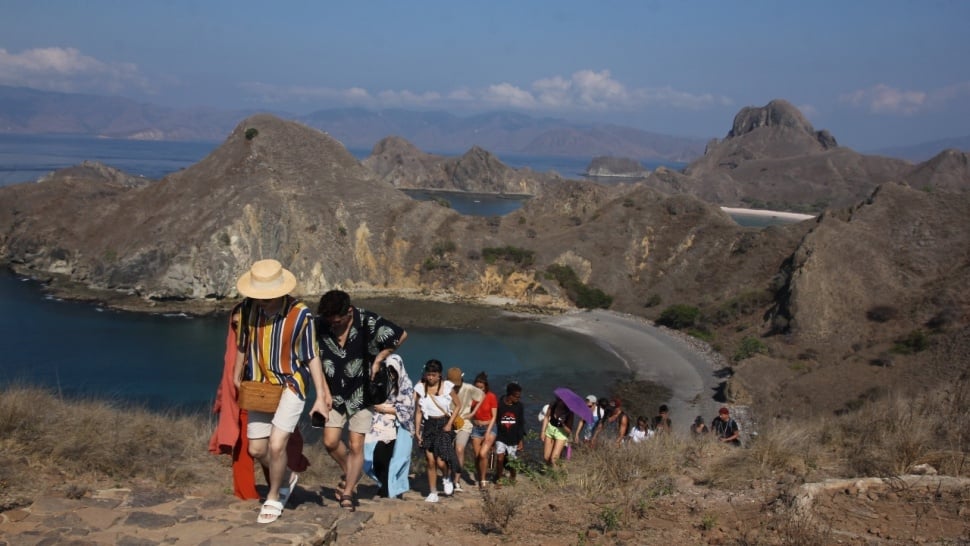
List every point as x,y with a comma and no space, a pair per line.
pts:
266,280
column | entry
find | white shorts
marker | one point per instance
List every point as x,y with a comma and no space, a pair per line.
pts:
501,448
286,417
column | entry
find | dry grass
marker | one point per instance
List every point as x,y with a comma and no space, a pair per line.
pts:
888,437
84,444
96,442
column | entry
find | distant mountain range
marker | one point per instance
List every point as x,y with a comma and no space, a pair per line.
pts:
926,150
30,111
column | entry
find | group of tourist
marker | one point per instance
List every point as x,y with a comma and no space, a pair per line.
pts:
362,388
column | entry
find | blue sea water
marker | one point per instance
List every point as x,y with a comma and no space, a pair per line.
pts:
28,157
175,362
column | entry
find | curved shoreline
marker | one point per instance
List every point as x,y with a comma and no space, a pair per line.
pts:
669,358
684,365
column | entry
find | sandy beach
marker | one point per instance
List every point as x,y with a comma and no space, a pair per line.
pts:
768,213
654,354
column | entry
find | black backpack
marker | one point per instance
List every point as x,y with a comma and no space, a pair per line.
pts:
381,386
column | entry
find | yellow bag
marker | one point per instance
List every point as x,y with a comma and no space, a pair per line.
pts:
259,396
459,423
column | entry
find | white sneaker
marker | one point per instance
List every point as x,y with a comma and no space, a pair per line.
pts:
458,488
432,497
449,487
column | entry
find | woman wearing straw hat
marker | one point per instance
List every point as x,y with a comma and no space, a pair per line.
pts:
276,344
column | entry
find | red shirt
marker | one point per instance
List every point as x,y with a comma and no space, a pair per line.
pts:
484,410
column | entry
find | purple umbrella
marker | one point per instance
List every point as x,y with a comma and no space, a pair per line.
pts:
575,403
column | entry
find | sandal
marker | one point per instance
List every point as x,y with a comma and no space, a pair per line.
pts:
287,490
347,503
270,512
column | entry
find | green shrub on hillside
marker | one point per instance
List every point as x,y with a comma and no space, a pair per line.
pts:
516,255
679,316
585,296
750,346
251,133
743,304
913,342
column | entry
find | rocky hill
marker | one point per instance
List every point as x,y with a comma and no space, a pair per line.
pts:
948,171
824,299
404,166
773,158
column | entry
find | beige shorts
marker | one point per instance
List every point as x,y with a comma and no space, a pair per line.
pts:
286,417
360,422
462,435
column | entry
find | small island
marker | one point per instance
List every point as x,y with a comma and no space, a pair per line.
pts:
621,167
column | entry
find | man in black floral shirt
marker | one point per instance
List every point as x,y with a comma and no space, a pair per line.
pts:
353,343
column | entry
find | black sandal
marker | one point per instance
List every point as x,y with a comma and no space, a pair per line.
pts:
347,503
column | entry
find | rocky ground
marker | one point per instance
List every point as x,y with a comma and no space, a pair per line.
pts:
903,510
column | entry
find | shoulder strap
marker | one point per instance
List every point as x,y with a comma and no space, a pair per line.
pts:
435,402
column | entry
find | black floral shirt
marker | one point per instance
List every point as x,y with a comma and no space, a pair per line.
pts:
347,368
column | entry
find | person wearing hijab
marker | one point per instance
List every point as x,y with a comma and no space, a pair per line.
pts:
387,446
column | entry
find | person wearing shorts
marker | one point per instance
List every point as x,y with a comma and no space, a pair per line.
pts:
352,344
510,432
275,344
483,426
556,429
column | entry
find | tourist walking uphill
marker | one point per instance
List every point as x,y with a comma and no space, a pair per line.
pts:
584,431
615,425
276,347
483,426
469,396
556,428
353,343
726,429
433,423
387,447
511,432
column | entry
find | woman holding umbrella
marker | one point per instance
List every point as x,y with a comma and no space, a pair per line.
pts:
557,425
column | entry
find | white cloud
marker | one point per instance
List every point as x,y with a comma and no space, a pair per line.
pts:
67,70
408,98
508,95
885,99
584,90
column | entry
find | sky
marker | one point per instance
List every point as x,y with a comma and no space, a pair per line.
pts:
875,73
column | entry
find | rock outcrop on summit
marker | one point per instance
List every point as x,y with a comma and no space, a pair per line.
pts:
773,158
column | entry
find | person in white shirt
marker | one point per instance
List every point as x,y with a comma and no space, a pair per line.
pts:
433,427
641,431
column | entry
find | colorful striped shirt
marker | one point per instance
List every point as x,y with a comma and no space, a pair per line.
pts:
279,347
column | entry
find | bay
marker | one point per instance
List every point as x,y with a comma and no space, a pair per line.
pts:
81,350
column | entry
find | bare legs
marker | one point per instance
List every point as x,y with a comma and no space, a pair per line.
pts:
482,448
349,459
552,450
271,453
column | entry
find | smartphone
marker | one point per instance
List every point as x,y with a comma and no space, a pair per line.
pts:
317,420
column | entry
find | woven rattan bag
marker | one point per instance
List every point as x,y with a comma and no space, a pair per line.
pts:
259,396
